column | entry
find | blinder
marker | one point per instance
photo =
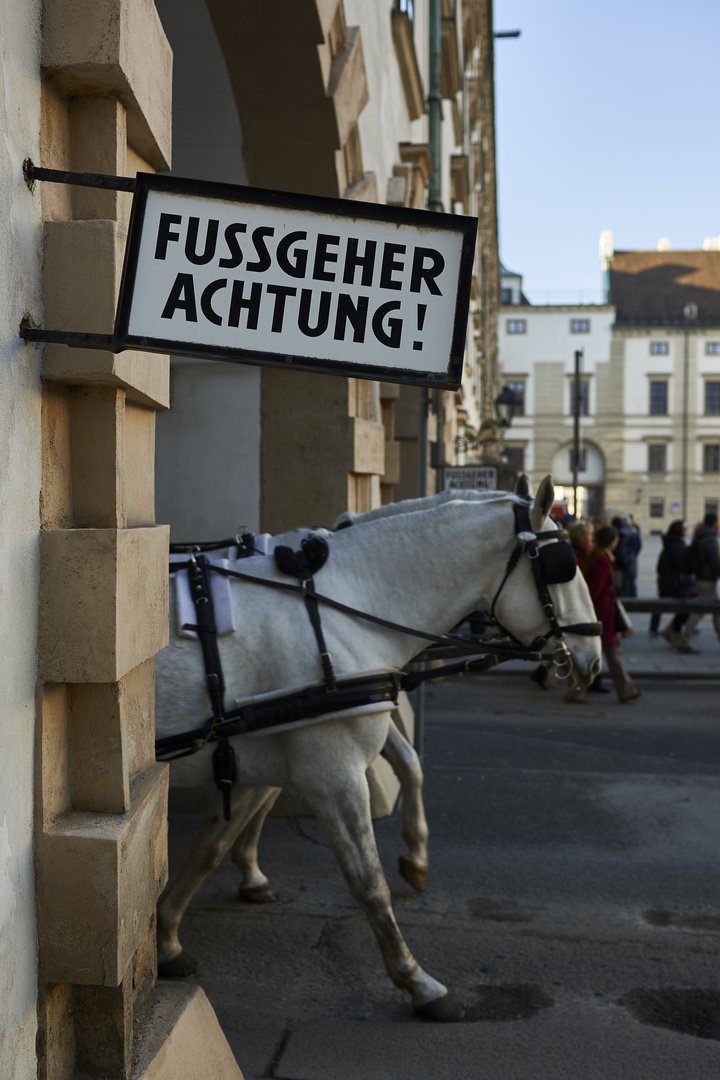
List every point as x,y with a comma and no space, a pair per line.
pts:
557,562
552,564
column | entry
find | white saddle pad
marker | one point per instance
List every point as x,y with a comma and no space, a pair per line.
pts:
221,598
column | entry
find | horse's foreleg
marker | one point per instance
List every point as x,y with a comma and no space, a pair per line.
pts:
211,843
405,763
255,886
342,806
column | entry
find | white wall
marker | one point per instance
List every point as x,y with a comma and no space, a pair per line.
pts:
20,255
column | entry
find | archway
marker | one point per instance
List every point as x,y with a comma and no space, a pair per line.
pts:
591,477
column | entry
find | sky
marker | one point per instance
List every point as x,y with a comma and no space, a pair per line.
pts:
607,117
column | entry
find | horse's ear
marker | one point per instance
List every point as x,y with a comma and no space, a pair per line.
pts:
522,486
543,501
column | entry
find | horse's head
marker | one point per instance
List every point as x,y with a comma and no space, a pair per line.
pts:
543,598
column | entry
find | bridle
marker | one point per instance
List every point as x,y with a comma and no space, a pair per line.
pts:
552,564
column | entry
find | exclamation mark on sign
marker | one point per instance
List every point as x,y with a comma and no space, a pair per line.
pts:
422,308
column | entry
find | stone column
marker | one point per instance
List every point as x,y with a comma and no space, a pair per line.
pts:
101,803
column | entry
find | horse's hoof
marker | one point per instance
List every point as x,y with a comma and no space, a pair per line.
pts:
415,877
443,1010
259,894
178,968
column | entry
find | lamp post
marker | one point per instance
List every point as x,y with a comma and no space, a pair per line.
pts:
690,313
505,406
576,427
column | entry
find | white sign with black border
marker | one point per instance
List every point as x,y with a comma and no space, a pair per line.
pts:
260,277
470,478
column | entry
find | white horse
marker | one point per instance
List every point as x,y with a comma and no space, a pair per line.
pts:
397,751
422,569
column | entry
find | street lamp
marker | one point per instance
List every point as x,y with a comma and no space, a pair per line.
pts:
505,405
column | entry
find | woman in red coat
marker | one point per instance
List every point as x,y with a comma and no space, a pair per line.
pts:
599,570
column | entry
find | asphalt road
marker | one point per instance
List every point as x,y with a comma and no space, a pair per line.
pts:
573,902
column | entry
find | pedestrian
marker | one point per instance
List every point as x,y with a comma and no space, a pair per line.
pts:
632,547
672,579
599,571
620,524
704,562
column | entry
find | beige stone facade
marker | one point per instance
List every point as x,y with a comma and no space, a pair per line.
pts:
650,429
322,96
95,96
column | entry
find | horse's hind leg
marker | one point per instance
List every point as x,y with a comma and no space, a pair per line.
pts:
210,844
255,887
342,805
405,763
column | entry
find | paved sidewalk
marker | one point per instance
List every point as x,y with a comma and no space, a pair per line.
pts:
653,657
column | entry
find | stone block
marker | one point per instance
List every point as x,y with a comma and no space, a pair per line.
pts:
98,880
347,85
117,49
392,463
103,602
178,1037
82,270
368,453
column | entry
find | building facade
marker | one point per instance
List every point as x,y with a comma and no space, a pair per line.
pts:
305,95
328,98
649,388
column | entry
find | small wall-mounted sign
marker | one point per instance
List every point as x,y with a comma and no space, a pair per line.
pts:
470,478
327,285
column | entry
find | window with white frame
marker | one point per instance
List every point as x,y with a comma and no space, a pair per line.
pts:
516,326
658,397
579,326
657,458
712,397
659,348
515,457
518,389
711,458
712,348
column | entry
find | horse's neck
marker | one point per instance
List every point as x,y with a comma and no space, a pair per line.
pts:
429,569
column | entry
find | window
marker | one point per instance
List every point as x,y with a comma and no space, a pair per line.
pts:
659,348
515,457
518,389
582,459
516,326
506,296
579,326
658,397
657,506
657,457
712,348
712,506
712,398
711,458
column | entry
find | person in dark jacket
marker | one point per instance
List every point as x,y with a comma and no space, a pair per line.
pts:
704,558
631,549
672,580
599,572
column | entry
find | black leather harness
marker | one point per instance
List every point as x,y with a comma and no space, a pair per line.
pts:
336,696
551,565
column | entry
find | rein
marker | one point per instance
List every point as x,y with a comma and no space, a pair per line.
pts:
336,696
